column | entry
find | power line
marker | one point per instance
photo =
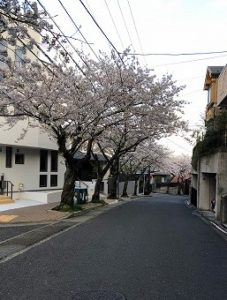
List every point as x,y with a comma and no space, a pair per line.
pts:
178,145
178,54
137,33
188,61
103,33
115,26
126,27
70,42
192,92
54,35
77,27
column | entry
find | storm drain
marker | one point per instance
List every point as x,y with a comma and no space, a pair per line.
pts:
19,243
98,295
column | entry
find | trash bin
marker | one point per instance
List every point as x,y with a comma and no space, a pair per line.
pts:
80,195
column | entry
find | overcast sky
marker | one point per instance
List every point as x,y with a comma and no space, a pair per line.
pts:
156,26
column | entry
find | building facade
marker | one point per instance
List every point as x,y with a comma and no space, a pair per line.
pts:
29,162
209,176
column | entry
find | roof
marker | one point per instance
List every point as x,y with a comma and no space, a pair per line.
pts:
160,174
213,72
79,155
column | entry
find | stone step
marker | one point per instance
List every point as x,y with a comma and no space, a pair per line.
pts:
5,199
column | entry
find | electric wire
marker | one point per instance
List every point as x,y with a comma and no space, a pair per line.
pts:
101,30
77,27
136,30
115,26
54,35
178,145
189,61
178,54
125,24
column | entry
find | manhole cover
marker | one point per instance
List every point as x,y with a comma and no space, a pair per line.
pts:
98,295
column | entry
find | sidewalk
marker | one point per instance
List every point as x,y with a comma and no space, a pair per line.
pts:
32,214
209,216
40,213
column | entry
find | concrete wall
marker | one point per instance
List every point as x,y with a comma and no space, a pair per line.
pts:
194,180
212,181
130,187
45,197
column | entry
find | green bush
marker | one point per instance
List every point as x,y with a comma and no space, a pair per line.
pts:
212,140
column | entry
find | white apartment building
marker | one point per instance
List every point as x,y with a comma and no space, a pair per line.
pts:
31,164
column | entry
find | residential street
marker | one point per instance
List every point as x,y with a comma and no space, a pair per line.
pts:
150,248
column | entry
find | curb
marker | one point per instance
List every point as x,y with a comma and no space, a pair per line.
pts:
29,223
217,225
85,210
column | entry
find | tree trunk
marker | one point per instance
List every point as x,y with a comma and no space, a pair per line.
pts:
100,175
114,180
147,187
113,187
96,195
68,187
178,187
135,188
124,193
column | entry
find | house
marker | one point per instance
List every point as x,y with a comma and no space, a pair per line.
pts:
209,176
30,166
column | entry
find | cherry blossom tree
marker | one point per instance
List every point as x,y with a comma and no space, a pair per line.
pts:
116,106
155,115
148,155
180,169
110,105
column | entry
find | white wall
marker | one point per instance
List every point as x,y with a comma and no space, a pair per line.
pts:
28,173
34,137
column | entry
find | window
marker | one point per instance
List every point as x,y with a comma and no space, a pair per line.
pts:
3,52
53,180
54,161
8,157
43,160
19,56
43,180
209,95
19,158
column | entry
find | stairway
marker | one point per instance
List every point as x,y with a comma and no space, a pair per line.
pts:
5,199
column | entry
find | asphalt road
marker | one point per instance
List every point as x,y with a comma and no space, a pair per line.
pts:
151,248
7,232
